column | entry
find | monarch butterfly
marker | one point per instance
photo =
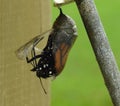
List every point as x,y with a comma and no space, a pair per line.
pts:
52,59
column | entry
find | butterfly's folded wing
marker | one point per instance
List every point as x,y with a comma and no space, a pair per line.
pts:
24,50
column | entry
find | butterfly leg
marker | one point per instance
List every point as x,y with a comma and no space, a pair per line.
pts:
34,58
33,54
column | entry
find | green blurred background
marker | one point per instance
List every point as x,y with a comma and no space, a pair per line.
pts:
81,82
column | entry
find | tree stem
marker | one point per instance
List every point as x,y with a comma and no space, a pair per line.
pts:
101,47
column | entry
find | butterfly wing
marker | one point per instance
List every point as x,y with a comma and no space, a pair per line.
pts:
24,50
63,42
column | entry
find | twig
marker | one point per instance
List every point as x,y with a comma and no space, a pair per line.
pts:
101,47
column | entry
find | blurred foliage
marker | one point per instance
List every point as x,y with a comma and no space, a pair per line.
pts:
81,82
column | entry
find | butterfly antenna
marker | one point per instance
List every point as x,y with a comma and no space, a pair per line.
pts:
42,86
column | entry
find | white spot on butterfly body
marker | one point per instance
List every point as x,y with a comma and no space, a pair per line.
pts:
47,65
50,72
44,65
40,68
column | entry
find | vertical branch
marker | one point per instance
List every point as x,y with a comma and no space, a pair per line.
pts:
101,47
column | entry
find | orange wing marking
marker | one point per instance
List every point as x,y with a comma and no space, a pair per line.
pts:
61,57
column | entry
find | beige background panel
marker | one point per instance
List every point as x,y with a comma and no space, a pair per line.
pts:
21,20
